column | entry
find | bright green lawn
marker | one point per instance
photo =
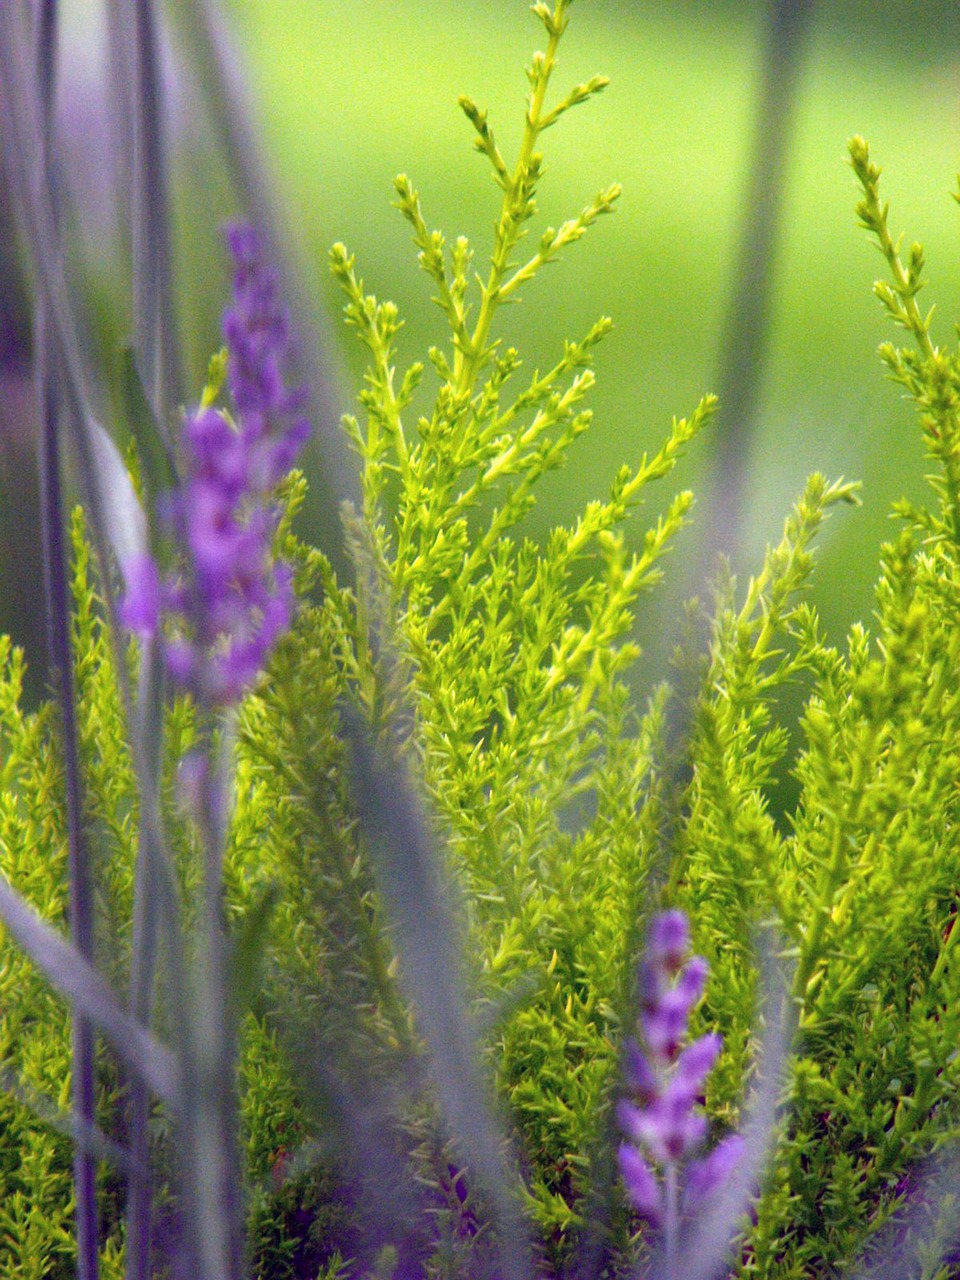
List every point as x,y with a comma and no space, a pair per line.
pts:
354,91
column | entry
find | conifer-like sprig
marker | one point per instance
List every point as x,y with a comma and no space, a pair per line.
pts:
930,375
510,655
474,446
451,288
862,879
519,190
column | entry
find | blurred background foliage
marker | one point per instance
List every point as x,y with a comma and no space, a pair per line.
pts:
351,93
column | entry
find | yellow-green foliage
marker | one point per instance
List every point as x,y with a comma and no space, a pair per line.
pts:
500,666
36,1207
863,882
35,1210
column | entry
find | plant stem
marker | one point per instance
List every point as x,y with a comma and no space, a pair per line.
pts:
671,1219
61,664
508,225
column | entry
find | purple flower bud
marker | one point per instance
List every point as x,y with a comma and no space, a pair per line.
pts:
669,1128
140,607
652,981
703,1178
641,1185
668,939
640,1075
630,1119
665,1024
181,661
666,999
693,979
696,1062
217,451
229,604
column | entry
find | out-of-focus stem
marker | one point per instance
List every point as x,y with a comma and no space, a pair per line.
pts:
743,349
224,83
61,665
137,78
671,1219
157,342
211,1159
81,890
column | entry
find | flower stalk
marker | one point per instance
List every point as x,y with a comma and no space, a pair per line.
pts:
660,1117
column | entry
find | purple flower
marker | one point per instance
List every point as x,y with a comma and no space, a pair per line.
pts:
702,1178
668,1129
695,1064
140,607
667,998
666,1081
668,940
642,1187
226,603
640,1075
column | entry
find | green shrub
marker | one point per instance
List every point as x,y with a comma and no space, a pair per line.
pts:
564,813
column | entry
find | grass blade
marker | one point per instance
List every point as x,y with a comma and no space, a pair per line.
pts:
408,872
147,913
155,318
137,79
219,72
115,517
114,512
119,18
925,1234
787,24
77,980
61,664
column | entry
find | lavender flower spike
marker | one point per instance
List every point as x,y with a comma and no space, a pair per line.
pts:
666,1082
226,603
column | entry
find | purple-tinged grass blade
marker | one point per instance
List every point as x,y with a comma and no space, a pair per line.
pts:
157,475
919,1231
157,468
155,317
115,516
116,521
121,90
89,1138
724,504
77,980
125,521
45,64
357,1107
61,665
79,869
139,143
407,867
134,50
149,885
210,1163
224,84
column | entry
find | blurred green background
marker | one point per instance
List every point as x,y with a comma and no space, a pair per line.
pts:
351,92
